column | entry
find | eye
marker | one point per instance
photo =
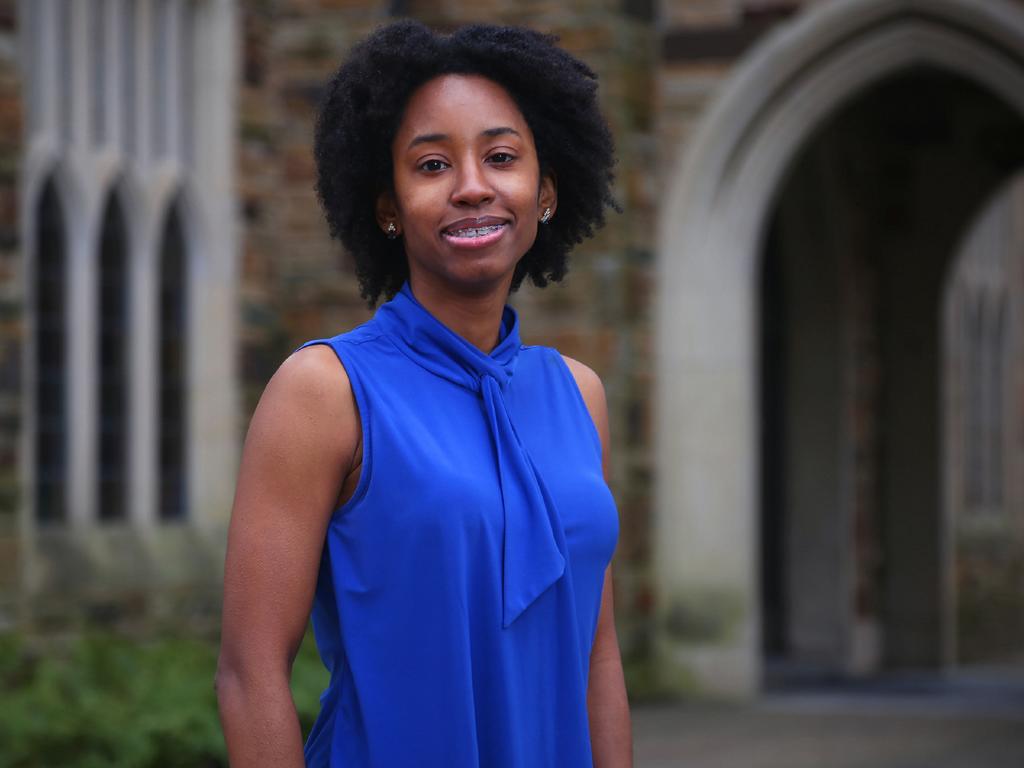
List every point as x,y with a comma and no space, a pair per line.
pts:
433,165
501,158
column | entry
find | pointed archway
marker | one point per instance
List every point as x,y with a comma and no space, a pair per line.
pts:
719,213
113,345
173,345
854,267
49,267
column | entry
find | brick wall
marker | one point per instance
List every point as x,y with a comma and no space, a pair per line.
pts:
659,65
11,302
295,283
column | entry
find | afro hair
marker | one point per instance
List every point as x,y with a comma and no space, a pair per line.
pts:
363,106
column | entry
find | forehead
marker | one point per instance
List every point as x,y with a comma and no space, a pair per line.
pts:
460,103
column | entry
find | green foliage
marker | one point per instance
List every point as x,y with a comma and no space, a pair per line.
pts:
309,679
106,701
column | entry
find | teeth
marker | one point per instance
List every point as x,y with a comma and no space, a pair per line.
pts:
476,231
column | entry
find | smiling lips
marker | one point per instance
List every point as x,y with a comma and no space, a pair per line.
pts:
474,233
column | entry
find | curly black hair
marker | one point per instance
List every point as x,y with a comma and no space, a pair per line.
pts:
363,106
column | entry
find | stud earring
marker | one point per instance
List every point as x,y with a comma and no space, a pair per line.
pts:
391,230
546,216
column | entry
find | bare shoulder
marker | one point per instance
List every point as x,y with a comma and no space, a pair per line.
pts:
592,389
310,393
590,384
313,372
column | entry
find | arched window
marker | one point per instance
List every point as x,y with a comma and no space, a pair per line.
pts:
985,350
113,84
50,358
995,338
173,340
974,401
113,363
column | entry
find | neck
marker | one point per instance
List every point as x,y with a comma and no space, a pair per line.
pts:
476,316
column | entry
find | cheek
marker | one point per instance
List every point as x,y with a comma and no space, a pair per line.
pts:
522,194
529,234
420,207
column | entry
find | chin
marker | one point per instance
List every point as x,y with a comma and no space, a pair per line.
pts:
481,280
480,271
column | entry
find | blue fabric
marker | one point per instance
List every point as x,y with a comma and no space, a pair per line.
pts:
460,586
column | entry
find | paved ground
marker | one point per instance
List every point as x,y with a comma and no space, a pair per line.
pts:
910,727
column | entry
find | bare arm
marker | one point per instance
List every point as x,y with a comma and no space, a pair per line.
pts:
301,446
611,730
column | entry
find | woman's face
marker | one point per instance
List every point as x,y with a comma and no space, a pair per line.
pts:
467,188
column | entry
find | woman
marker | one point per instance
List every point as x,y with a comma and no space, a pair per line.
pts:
436,499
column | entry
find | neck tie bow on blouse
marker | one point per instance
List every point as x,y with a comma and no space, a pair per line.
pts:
532,559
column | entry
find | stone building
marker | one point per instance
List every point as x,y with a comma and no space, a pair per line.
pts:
808,319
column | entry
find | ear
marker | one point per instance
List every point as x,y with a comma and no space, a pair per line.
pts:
387,212
548,197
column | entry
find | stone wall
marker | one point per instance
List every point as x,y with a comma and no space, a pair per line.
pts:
295,283
11,302
660,64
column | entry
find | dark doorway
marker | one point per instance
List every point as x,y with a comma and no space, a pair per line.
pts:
856,566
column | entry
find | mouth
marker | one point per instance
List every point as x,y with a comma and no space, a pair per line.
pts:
475,233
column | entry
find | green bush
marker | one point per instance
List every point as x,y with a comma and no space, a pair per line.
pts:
106,701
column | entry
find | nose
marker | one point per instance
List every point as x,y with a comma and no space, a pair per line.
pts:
472,186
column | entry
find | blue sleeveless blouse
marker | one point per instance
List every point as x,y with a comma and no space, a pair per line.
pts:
460,586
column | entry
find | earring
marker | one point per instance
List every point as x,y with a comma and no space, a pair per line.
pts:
391,230
546,216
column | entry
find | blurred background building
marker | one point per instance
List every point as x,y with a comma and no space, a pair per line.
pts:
809,319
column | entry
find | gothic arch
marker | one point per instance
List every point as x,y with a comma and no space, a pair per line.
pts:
173,193
113,151
719,201
48,278
114,302
174,268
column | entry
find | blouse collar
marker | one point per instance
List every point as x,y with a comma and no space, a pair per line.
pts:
534,541
434,346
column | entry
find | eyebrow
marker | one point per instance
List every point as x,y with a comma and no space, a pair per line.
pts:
429,138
